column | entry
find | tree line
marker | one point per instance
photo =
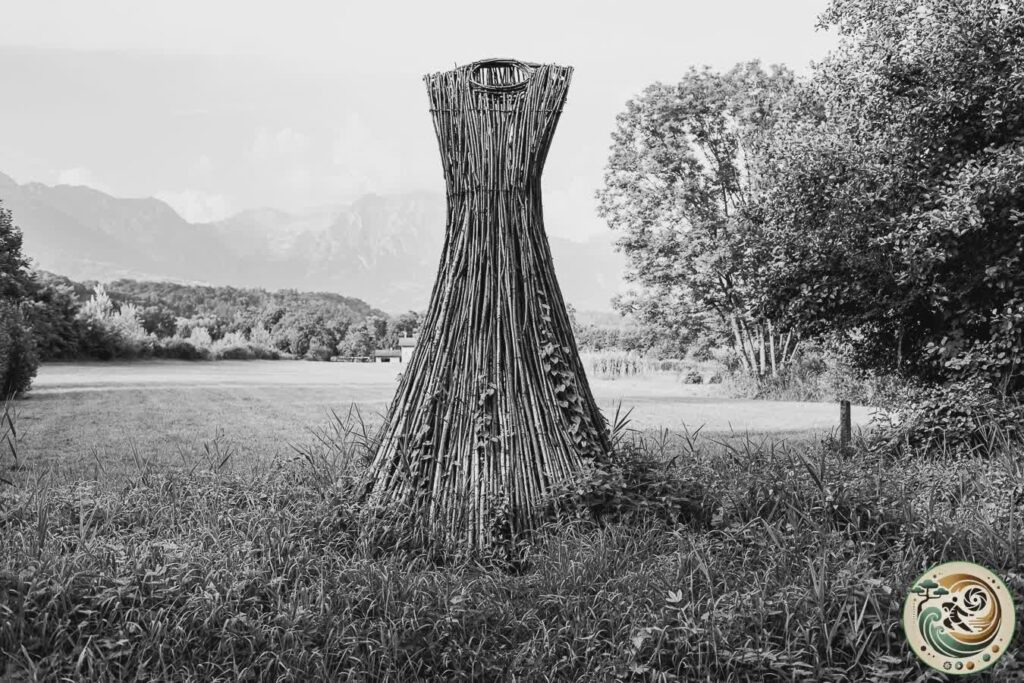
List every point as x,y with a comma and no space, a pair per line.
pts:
313,325
876,205
46,317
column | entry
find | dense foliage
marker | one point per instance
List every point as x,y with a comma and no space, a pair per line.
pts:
613,332
18,359
874,209
683,186
129,319
788,562
898,215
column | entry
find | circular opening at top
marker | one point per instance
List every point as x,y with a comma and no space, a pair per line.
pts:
500,74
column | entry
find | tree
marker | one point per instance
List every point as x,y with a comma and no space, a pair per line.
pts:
377,327
899,215
18,360
15,277
99,307
683,185
301,333
111,330
925,589
406,324
359,341
158,321
52,313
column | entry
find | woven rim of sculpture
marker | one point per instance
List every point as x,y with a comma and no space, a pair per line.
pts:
493,412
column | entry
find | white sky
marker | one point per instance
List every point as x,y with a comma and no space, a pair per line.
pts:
218,106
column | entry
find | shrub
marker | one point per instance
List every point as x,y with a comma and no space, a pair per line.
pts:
111,332
319,350
692,376
232,346
740,384
261,352
200,338
52,313
97,341
260,336
126,324
634,484
245,351
235,346
727,358
814,373
18,359
237,352
956,416
180,349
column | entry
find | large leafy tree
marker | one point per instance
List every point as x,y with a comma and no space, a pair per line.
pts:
15,278
52,313
683,186
18,360
899,215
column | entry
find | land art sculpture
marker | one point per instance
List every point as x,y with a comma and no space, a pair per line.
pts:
493,412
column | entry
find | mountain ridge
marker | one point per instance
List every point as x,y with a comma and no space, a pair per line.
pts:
383,249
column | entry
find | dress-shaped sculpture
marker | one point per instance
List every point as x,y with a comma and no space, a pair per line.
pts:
493,409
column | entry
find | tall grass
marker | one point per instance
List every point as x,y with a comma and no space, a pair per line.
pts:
622,364
219,571
617,364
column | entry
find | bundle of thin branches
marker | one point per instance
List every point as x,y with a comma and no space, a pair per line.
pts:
494,410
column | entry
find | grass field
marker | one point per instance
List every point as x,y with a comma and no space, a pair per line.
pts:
715,557
78,414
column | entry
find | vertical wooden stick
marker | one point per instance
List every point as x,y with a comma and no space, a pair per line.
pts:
844,423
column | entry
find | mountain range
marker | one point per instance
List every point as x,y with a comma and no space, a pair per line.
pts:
383,249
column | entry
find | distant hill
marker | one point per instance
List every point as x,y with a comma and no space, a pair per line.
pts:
382,249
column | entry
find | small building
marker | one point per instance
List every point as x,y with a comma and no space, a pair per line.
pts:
406,345
387,356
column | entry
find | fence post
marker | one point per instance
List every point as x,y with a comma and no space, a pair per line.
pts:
844,423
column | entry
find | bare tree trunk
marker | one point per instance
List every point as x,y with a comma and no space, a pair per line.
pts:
760,352
760,343
739,342
785,347
749,347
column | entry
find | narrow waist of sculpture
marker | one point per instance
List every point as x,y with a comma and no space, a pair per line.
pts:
482,189
459,110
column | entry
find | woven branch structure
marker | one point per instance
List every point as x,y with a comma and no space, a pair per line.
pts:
493,410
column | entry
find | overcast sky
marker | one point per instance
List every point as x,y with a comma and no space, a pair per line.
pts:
222,106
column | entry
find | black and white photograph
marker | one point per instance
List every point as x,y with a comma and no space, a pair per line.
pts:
542,340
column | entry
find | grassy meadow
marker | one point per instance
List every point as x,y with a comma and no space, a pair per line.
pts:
714,556
81,418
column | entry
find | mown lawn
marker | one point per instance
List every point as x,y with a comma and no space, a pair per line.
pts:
201,571
83,417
